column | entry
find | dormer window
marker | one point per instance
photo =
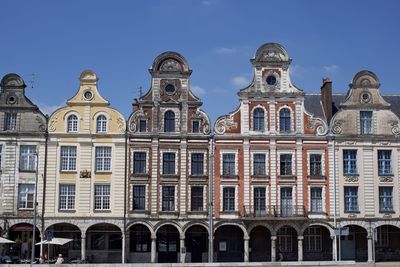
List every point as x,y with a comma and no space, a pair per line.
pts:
142,126
10,122
284,120
101,124
195,126
258,119
169,121
366,122
72,124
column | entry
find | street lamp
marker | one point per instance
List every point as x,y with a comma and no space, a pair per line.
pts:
35,209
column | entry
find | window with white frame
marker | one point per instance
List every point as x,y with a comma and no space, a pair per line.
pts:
366,122
285,239
139,162
26,193
259,164
27,159
196,198
197,164
168,198
72,124
316,199
349,162
351,199
385,199
313,239
228,202
101,124
168,163
142,125
259,200
384,162
68,158
286,164
103,158
67,197
315,165
228,164
139,197
286,208
258,119
284,120
102,197
195,126
10,122
169,121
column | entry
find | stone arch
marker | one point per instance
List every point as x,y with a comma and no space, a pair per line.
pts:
381,223
285,223
362,224
263,224
327,226
148,225
193,223
105,222
169,222
241,226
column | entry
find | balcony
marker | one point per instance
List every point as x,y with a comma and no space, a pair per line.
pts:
275,211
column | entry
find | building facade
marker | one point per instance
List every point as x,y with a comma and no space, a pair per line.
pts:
169,144
22,152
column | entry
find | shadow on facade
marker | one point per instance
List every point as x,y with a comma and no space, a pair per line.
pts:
228,245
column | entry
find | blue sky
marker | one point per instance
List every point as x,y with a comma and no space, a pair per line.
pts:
57,40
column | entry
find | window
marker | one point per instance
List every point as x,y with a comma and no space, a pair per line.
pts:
382,236
259,201
101,124
228,164
72,124
139,197
285,239
384,162
349,162
195,126
68,158
316,199
313,239
196,198
1,157
259,164
228,199
168,198
27,160
169,163
197,164
385,199
351,199
286,201
139,163
140,239
315,165
101,197
26,194
142,126
286,164
284,120
258,119
10,122
366,122
169,121
67,197
103,159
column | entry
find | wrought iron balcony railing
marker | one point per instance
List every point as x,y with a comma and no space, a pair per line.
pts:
274,211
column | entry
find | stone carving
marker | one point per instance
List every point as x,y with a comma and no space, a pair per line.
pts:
171,65
272,55
204,121
52,124
395,127
42,126
351,179
318,125
135,120
225,123
337,127
85,174
386,179
121,125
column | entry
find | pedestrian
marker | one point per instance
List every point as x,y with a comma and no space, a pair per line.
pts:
60,259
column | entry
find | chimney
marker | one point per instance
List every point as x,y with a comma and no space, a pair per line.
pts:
326,98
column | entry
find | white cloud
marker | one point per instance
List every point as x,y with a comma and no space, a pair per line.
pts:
297,70
331,69
197,90
240,81
206,3
225,50
48,110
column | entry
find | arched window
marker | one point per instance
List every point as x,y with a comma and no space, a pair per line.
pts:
284,120
169,121
72,124
101,124
258,119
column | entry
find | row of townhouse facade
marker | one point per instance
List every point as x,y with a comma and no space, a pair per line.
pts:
273,180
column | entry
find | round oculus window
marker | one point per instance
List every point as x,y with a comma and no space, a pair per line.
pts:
88,95
12,100
365,97
271,80
170,88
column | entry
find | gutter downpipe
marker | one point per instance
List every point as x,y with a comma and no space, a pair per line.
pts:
211,202
125,189
46,135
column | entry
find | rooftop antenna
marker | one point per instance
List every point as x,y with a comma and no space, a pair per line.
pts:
32,80
140,92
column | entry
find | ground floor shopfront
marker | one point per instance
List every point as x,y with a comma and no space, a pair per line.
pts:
104,241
